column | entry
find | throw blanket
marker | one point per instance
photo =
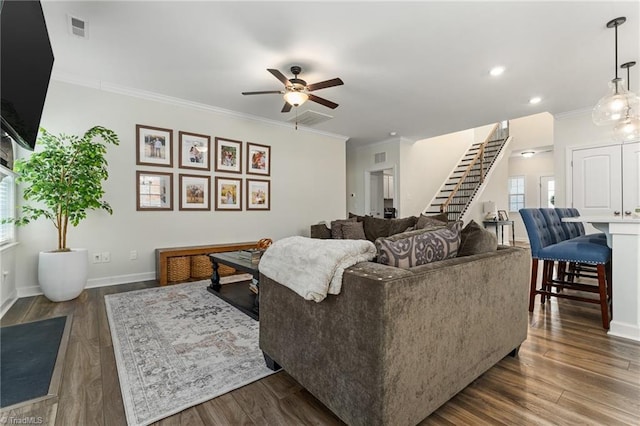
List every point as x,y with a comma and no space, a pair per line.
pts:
312,267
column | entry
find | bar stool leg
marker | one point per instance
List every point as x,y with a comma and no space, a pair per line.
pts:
602,287
534,282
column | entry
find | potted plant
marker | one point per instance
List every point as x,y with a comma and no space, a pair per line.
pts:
64,178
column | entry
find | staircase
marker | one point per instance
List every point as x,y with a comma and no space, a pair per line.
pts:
461,187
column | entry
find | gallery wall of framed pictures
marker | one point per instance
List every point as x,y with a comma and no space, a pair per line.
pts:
200,186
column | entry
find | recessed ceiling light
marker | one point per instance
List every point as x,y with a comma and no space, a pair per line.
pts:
535,100
496,71
393,133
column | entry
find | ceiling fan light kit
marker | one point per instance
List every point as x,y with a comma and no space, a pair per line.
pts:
296,91
619,103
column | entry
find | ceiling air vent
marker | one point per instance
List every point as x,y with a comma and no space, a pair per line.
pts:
380,157
311,118
78,27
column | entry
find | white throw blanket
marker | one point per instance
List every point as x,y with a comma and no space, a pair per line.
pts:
312,267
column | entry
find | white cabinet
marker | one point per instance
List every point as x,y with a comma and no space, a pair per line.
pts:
631,178
387,184
606,180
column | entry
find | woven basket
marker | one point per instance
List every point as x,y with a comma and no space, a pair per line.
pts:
178,268
201,266
225,270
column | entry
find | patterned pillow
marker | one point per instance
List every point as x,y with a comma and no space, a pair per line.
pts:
421,247
336,227
353,231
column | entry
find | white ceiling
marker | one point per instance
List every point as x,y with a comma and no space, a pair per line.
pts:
416,68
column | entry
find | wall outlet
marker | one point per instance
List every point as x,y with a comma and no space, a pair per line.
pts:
96,258
133,255
106,256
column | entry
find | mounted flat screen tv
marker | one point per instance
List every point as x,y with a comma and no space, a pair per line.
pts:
26,63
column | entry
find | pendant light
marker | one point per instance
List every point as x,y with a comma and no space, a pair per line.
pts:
628,129
615,103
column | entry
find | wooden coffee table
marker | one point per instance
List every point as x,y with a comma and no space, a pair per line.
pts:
236,294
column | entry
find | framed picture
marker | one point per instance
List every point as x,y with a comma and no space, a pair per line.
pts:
195,192
258,194
194,151
502,215
258,159
154,146
228,156
154,191
228,193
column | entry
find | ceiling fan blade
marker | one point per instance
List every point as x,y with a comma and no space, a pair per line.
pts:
277,74
286,107
264,92
322,101
325,84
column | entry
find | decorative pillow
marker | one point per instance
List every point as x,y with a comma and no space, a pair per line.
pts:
401,225
421,247
336,227
474,239
358,217
375,227
428,221
353,231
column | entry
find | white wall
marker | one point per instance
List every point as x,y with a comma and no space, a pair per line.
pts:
532,169
361,160
573,130
427,164
307,184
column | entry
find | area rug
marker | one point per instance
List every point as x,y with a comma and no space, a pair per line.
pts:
178,346
32,357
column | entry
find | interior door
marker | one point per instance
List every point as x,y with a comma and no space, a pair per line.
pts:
597,180
376,194
631,177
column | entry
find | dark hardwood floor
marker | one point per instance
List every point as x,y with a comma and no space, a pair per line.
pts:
568,372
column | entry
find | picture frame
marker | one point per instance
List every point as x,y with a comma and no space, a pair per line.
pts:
154,191
154,146
195,192
228,155
502,215
258,194
194,151
258,159
228,193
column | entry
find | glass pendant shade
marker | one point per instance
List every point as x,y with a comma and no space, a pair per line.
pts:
628,129
614,105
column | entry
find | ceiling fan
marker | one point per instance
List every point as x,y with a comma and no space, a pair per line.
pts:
296,91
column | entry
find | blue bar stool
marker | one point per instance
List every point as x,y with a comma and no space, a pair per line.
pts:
550,244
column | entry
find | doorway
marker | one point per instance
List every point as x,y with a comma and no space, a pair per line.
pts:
380,193
547,191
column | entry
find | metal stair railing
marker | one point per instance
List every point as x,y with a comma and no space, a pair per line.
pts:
468,183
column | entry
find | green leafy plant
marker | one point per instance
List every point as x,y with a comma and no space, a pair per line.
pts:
65,179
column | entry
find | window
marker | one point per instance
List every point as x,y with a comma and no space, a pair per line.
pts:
516,193
7,205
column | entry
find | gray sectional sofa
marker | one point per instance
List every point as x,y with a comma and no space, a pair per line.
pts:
396,343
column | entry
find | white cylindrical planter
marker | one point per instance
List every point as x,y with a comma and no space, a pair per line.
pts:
63,275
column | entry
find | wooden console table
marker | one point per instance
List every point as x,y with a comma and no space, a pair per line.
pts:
163,254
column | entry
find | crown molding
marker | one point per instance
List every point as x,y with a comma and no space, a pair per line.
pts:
157,97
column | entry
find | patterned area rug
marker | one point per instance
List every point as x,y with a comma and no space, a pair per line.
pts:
179,346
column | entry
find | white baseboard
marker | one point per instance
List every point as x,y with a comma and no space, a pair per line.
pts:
7,304
95,282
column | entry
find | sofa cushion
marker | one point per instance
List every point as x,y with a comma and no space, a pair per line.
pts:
401,225
474,239
336,227
353,231
428,246
428,221
375,227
